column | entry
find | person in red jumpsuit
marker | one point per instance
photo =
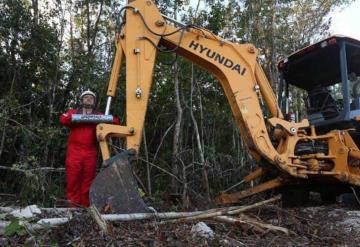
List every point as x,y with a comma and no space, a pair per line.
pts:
81,156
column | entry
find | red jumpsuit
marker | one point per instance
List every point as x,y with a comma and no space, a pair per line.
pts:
81,158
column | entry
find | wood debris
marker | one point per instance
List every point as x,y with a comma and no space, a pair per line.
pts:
218,214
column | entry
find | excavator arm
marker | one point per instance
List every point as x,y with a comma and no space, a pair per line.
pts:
146,32
235,66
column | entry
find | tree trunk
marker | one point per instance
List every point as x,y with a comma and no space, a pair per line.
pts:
72,53
177,132
35,6
3,134
53,86
198,142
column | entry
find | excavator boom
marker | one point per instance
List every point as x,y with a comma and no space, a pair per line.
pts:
145,33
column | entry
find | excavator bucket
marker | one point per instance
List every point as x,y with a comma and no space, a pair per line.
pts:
115,189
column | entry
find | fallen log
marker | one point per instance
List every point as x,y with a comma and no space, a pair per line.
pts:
6,209
48,210
144,216
257,226
221,212
4,224
255,205
126,217
238,222
178,216
45,223
53,222
41,224
264,225
94,212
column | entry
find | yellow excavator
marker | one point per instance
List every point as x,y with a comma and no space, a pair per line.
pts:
318,152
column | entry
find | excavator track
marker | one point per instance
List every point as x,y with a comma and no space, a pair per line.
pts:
115,189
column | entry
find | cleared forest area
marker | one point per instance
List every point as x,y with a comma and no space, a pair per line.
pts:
191,149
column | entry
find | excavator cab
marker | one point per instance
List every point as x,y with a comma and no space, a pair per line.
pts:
328,72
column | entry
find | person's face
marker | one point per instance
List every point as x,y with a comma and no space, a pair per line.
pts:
88,100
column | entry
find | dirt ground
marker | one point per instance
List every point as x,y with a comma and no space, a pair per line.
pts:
313,225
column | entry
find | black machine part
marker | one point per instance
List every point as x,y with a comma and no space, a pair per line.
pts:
313,147
115,190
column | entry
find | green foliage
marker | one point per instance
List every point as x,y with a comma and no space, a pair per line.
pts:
2,216
14,229
50,53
